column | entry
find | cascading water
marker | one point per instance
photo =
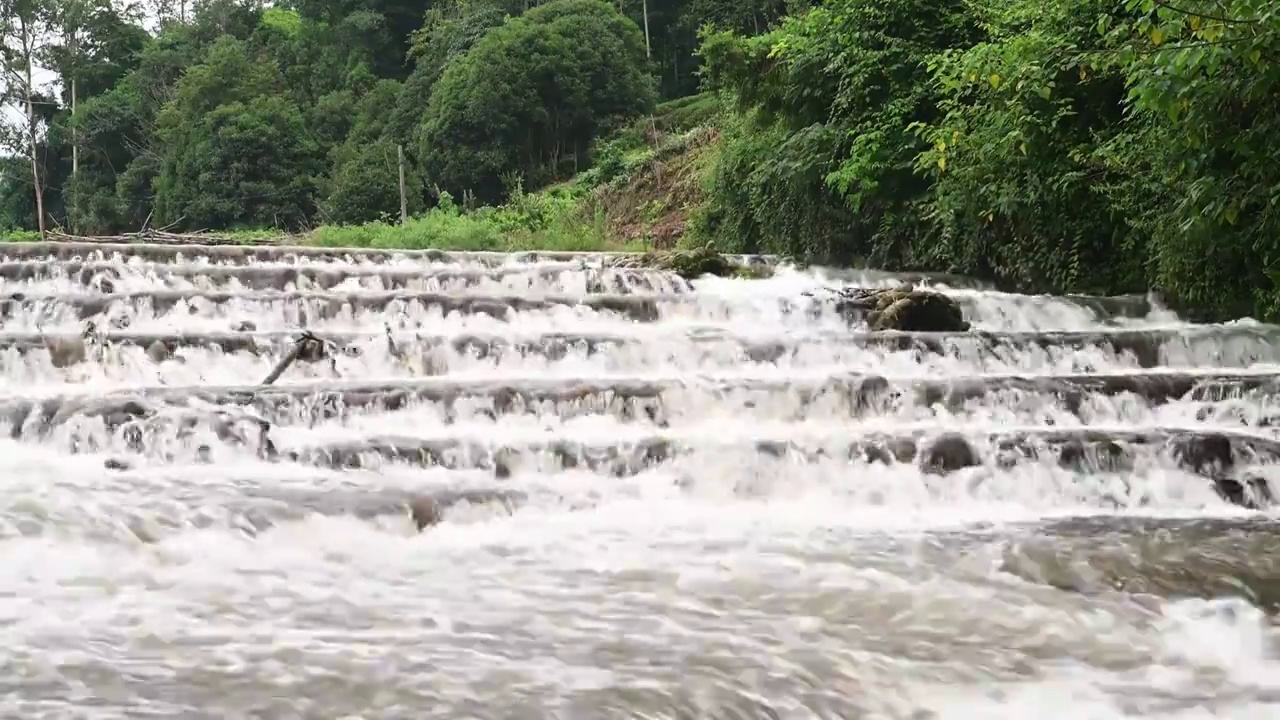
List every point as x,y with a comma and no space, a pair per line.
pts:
656,499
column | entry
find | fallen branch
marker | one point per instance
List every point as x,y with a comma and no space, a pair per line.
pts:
306,341
161,237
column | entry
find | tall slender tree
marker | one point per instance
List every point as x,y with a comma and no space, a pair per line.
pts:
23,29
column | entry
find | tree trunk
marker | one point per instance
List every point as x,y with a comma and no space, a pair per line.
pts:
75,141
644,10
28,46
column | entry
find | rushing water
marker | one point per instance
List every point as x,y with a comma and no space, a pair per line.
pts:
753,568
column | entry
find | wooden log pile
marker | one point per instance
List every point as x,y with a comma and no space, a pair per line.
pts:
160,237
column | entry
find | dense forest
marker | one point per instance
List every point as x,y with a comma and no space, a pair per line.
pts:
1092,146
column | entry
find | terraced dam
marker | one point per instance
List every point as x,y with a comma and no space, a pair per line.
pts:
551,486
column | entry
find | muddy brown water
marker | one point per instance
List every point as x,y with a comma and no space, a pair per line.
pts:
729,505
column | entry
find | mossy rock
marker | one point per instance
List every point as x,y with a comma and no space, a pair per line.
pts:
691,264
904,309
752,272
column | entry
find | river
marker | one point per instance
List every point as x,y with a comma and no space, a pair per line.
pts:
656,499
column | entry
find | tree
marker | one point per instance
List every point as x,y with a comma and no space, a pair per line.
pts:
822,163
23,24
531,96
93,46
382,29
365,187
235,149
448,32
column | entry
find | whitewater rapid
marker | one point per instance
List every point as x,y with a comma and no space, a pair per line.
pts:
751,566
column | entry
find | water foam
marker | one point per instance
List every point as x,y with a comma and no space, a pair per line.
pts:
718,581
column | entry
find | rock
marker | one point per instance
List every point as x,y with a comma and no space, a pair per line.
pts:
948,453
1213,457
691,264
902,308
424,511
903,449
1250,490
920,311
1105,456
65,352
158,352
877,454
1208,455
243,326
504,464
312,351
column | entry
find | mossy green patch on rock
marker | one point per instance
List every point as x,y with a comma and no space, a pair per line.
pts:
752,272
690,264
903,308
693,263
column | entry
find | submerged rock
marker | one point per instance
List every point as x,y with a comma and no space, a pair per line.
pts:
65,352
158,351
424,511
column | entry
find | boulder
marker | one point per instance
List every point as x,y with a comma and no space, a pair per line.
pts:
1208,455
948,453
902,308
1105,456
693,263
158,351
65,352
424,511
1251,490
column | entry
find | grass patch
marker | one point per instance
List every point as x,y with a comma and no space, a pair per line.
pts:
552,220
20,236
686,113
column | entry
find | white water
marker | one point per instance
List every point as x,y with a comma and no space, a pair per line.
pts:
720,584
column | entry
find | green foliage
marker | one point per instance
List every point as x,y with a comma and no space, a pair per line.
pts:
821,165
158,135
1018,195
549,221
530,98
1202,83
365,186
1050,145
235,151
686,113
246,164
448,33
286,22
